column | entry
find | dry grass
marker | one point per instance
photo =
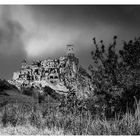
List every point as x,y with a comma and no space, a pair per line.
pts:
126,126
29,130
23,119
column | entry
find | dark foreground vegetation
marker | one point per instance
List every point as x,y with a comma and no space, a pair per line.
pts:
113,108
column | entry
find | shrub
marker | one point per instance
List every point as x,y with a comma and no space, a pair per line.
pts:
115,76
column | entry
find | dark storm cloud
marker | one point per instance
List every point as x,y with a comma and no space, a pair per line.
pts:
45,30
69,14
11,45
10,36
100,21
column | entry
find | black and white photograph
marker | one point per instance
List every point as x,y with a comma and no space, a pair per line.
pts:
69,69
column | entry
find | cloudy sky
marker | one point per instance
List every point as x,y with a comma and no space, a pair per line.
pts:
42,31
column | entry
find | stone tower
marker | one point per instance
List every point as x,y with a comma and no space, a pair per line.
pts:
72,62
23,64
70,50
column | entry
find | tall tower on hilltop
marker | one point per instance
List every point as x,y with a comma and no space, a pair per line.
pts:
72,62
70,50
23,64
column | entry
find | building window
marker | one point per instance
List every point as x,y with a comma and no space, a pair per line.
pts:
51,77
56,77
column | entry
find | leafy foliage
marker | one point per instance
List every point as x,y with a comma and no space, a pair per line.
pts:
115,75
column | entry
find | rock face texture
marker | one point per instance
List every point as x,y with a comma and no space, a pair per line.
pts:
60,74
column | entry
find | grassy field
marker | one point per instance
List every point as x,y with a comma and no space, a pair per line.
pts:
23,116
22,119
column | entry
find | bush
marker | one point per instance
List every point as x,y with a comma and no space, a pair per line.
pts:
16,114
115,77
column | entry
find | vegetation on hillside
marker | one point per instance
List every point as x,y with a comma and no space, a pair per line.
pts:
115,75
5,85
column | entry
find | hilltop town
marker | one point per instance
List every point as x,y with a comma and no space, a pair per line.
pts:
60,73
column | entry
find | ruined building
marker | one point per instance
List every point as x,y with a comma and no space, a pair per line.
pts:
60,70
61,74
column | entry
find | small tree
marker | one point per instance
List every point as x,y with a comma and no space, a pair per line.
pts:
113,73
